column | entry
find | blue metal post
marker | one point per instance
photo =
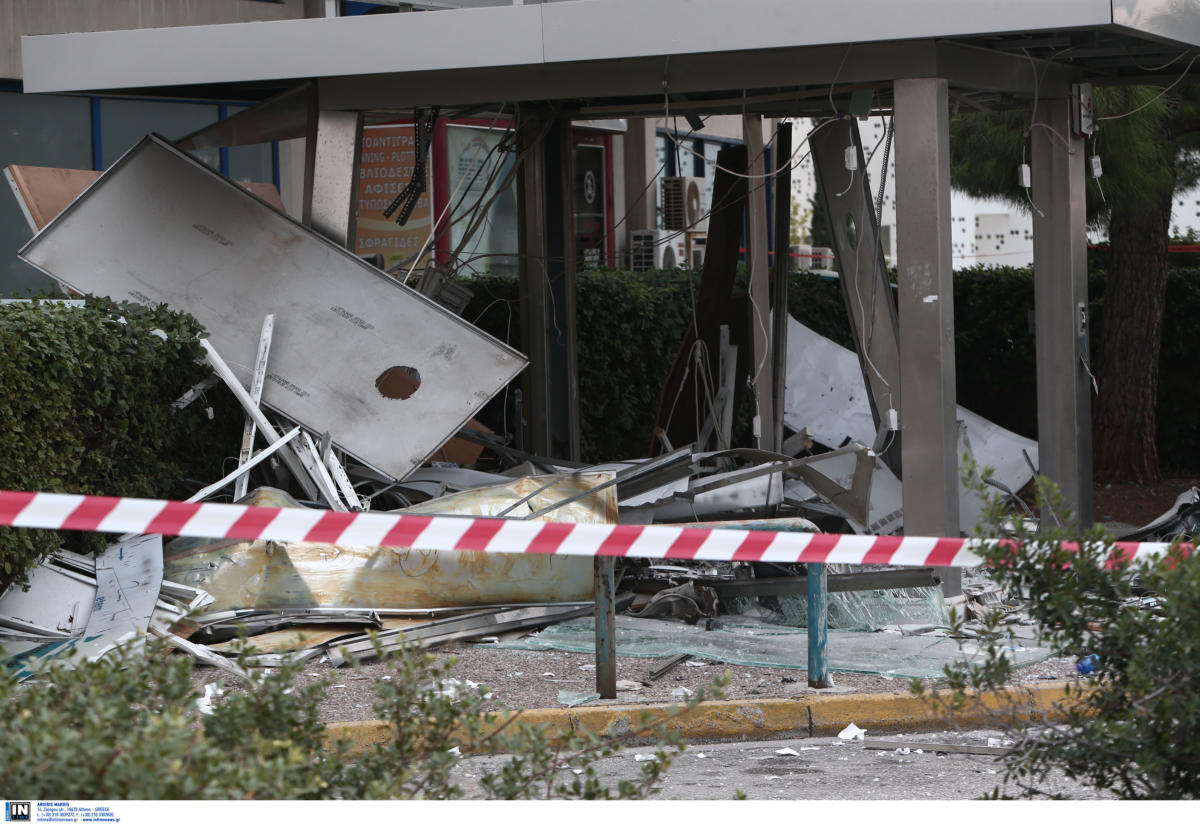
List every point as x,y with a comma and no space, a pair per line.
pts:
606,640
818,620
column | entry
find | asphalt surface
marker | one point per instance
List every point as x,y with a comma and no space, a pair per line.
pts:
820,769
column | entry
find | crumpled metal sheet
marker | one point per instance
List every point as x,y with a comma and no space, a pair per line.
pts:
390,374
271,575
1181,521
825,391
127,581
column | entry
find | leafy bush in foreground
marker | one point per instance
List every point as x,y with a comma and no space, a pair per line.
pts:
1133,730
85,396
128,727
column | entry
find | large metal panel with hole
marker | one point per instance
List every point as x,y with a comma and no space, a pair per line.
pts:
390,374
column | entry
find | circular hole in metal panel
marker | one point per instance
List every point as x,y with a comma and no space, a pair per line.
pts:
398,382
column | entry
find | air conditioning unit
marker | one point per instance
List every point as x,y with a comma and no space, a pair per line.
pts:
656,249
802,259
683,204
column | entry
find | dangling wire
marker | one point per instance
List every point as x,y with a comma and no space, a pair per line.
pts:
407,199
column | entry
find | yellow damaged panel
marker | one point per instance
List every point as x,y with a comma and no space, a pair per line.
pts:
273,575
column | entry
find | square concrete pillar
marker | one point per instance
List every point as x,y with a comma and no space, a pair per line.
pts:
928,419
1060,306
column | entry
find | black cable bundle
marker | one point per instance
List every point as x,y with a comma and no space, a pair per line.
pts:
407,199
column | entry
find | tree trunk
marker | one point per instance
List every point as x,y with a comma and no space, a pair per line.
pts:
1125,425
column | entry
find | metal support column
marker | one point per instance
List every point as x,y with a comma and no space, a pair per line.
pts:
760,286
781,274
818,630
546,244
863,274
606,630
1064,402
332,151
928,417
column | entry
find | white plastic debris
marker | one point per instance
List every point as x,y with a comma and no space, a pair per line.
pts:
852,733
547,675
625,685
641,756
205,702
786,751
586,667
452,687
807,749
904,750
455,751
682,692
702,755
695,664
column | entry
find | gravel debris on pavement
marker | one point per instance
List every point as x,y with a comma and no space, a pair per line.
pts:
522,679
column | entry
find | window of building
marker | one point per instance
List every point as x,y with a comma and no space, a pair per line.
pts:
479,173
82,132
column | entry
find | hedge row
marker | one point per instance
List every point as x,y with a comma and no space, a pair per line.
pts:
85,396
631,324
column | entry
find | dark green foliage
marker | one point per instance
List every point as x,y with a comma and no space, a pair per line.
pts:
630,326
994,347
128,727
1178,371
85,396
1133,729
817,303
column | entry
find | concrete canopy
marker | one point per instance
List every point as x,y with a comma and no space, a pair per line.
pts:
617,52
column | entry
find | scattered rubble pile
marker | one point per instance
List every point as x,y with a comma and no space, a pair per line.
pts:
347,427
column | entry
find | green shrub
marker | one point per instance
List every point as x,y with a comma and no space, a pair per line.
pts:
630,326
128,727
1133,730
85,394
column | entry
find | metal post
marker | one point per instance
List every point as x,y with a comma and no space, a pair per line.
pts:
781,274
606,641
1064,402
760,286
818,620
863,275
241,487
332,151
546,244
928,416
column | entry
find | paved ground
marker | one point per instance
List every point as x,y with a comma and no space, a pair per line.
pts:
519,679
821,769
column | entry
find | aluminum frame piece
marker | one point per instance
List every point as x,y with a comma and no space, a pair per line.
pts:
160,227
450,629
866,289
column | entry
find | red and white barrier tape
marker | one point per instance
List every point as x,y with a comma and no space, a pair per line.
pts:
43,510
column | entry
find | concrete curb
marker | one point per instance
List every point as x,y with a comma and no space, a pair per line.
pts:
803,716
